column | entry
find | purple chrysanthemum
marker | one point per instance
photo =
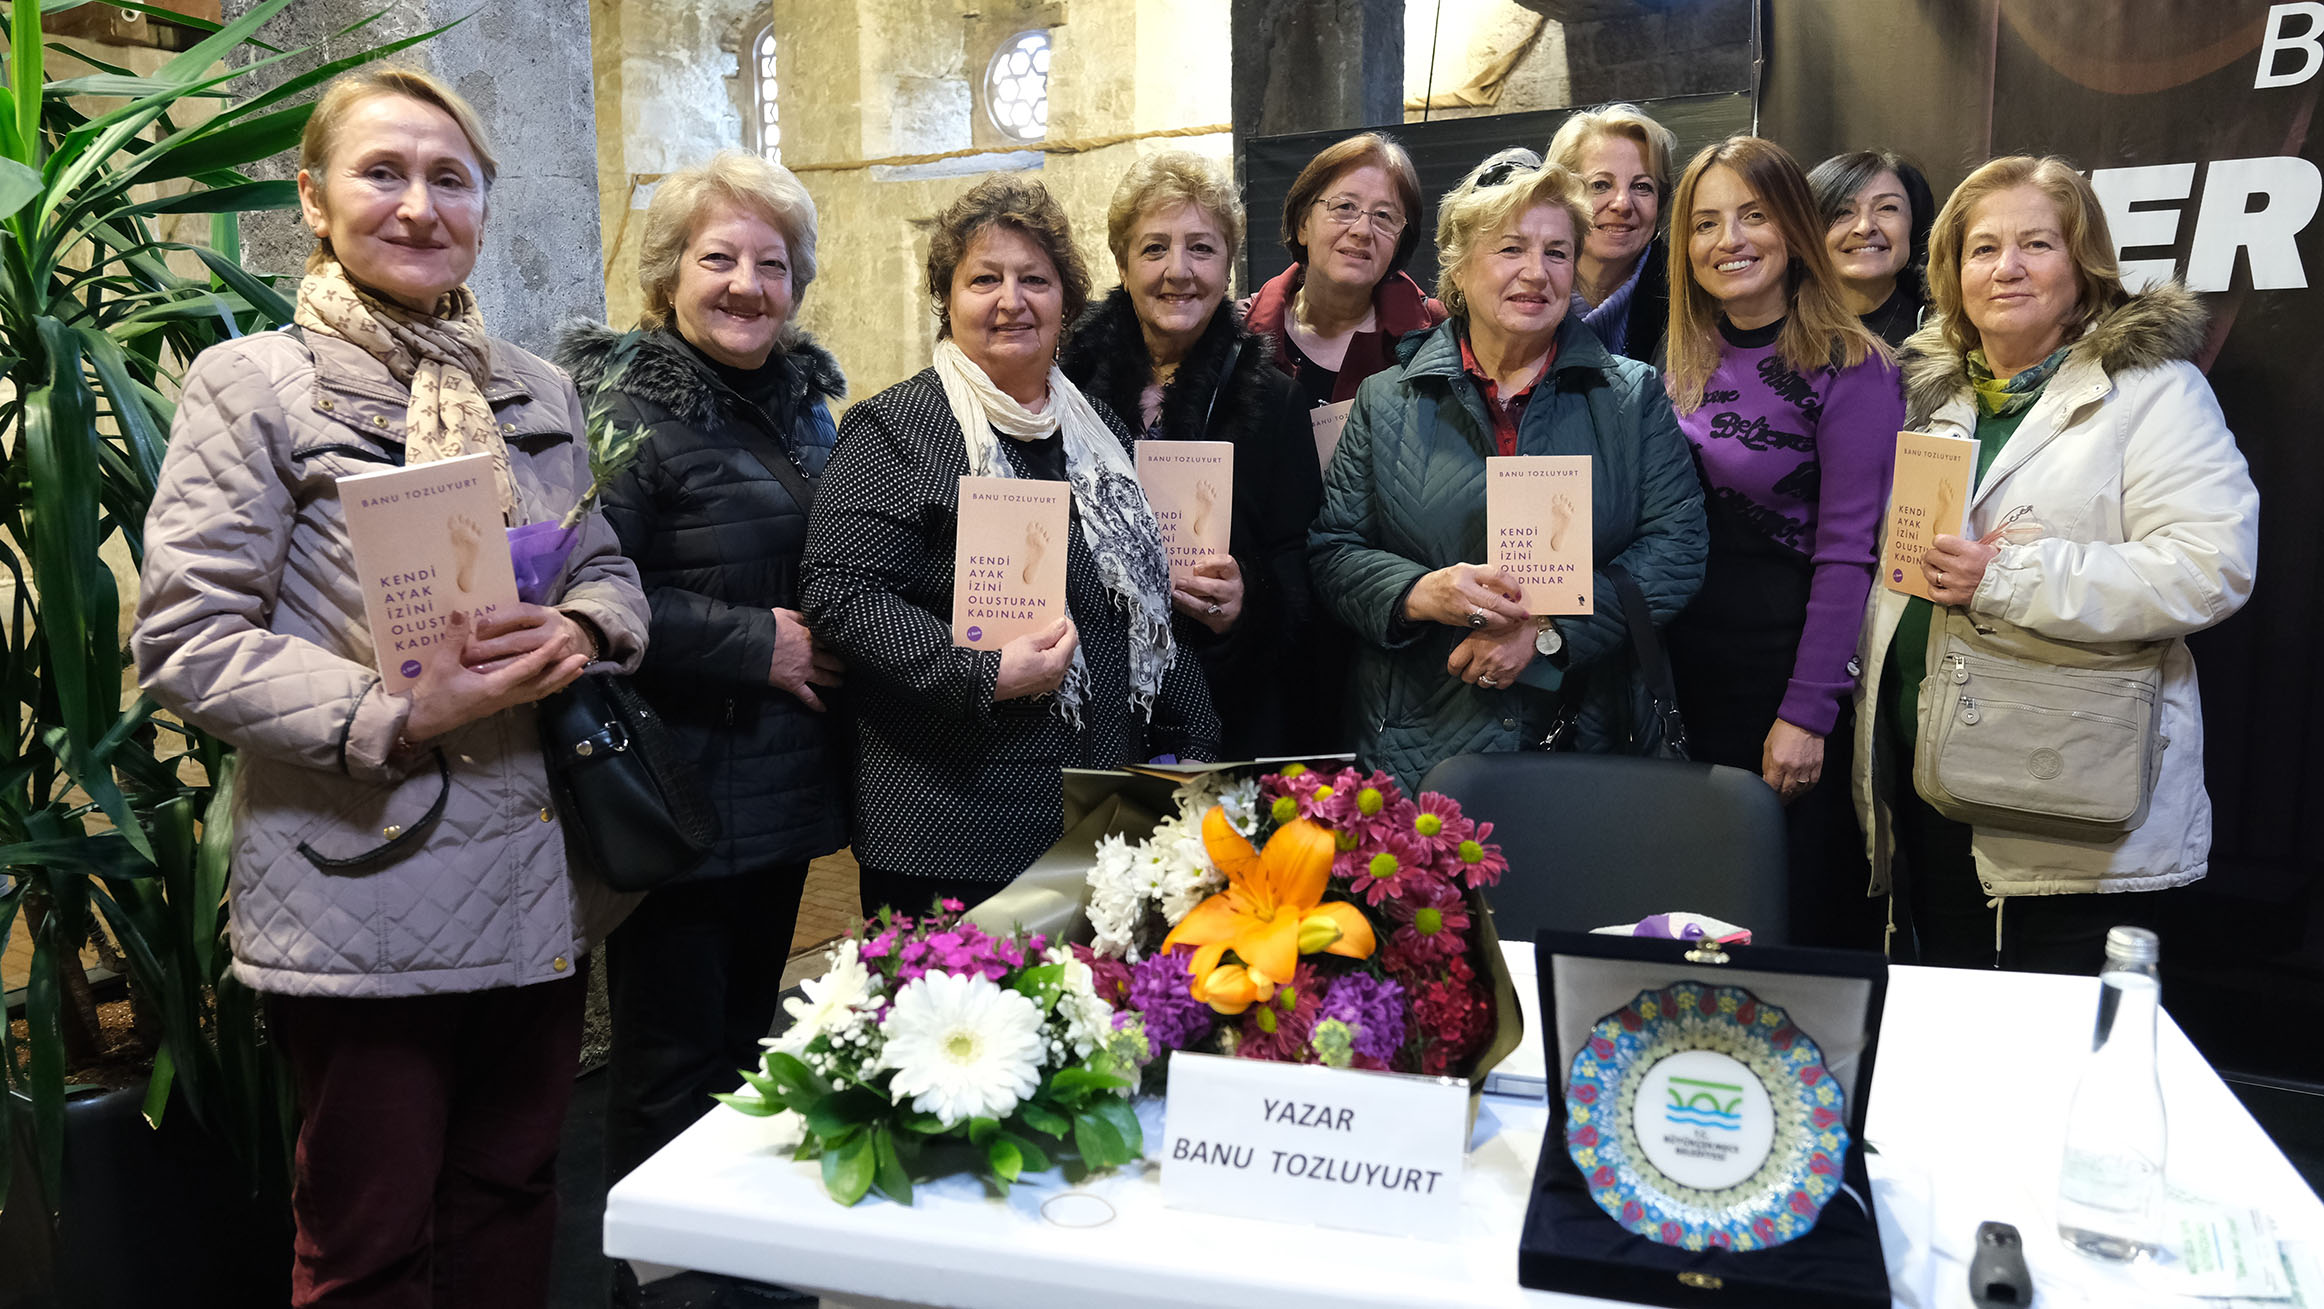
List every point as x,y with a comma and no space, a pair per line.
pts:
1374,1007
1161,990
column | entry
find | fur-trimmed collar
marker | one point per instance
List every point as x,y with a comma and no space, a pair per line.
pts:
666,373
1106,357
2164,323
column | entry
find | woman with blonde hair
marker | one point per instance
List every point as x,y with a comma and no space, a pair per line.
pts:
1792,408
1622,278
2112,516
736,403
1166,352
1448,662
400,888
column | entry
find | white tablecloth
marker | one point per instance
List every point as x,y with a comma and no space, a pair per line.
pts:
1974,1074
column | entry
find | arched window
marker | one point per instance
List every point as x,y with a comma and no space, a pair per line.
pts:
1016,86
765,129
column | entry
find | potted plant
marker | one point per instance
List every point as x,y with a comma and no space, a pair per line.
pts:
111,813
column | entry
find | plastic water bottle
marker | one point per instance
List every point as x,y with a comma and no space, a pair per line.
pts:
2110,1191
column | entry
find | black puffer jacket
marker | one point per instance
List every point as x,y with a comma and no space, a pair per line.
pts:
1275,686
716,536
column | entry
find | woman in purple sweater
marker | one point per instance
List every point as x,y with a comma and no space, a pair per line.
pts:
1792,408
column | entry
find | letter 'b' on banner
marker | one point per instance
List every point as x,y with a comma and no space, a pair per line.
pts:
2304,43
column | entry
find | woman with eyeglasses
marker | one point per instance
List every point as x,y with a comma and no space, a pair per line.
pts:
1351,223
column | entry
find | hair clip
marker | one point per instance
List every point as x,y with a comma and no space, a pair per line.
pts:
1501,172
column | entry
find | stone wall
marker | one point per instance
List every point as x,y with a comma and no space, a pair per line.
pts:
526,70
900,77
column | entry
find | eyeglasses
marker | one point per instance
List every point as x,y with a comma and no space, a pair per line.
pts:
1343,213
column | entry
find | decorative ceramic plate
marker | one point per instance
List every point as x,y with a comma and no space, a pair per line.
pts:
1703,1119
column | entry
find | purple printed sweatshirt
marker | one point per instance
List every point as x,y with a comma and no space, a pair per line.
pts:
1807,459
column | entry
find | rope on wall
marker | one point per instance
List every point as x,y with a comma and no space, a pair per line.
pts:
1079,145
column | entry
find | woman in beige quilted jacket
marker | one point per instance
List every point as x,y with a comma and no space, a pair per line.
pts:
400,889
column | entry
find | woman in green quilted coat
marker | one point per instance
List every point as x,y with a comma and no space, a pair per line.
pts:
1451,662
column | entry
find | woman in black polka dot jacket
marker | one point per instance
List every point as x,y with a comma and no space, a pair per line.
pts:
958,750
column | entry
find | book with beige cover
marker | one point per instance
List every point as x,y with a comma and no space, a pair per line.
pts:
1008,566
428,543
1929,498
1537,529
1191,486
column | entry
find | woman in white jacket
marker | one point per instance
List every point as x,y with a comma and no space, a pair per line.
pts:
2111,509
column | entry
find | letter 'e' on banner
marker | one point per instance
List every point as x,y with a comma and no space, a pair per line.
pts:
1301,1143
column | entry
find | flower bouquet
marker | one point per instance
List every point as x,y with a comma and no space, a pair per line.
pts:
1306,917
931,1046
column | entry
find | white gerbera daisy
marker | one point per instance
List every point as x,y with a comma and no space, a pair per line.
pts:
962,1047
832,1003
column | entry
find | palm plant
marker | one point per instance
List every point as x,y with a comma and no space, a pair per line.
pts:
109,810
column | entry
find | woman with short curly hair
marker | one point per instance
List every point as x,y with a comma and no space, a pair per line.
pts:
958,749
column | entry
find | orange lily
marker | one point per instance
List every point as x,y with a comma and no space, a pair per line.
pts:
1271,913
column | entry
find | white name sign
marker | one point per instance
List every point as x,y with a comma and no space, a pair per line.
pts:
1300,1143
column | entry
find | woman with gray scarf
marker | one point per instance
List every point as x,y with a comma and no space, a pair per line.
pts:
958,750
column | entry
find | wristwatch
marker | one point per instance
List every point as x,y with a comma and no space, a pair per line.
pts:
1547,640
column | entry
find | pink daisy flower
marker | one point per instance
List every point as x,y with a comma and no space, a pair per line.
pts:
1478,862
1433,924
1386,869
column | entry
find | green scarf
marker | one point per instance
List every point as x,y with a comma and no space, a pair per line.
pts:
1997,396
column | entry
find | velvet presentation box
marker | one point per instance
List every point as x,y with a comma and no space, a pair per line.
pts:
1570,1244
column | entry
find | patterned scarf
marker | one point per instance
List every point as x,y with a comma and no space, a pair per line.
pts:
1114,513
1998,397
443,357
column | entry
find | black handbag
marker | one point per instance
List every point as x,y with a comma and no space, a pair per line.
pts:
638,813
1659,732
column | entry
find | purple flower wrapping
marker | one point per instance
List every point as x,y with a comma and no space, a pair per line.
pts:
1374,1007
1159,990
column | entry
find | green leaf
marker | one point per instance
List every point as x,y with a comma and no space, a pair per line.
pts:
1041,985
231,146
837,1114
1099,1145
1123,1118
1043,1119
982,1130
764,1085
913,1120
889,1176
26,59
148,432
798,1082
749,1104
213,863
165,1070
848,1168
1074,1086
1001,1152
127,86
19,186
265,299
44,1024
1032,1158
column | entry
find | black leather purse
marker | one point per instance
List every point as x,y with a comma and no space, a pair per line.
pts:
638,813
1656,730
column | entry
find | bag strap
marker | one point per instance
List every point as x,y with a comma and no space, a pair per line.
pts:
402,842
1653,663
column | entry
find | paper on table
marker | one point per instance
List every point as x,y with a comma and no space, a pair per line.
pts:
428,542
2222,1249
1191,486
1930,498
1008,562
1327,420
1537,528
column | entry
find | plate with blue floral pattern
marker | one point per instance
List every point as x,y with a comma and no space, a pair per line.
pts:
1702,1118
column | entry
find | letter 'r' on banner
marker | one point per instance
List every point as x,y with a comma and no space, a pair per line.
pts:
1327,1147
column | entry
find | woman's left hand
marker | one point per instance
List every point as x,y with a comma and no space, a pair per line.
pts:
1792,760
522,630
1210,593
1493,656
1955,565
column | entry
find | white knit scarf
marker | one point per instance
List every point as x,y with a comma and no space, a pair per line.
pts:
1117,521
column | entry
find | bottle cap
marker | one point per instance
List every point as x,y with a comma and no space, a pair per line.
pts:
2132,945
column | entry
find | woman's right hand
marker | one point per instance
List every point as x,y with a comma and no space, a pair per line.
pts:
1451,595
795,663
1035,663
452,693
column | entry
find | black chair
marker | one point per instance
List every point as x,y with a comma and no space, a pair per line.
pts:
1594,840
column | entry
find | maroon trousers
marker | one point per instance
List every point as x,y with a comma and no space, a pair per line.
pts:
427,1151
